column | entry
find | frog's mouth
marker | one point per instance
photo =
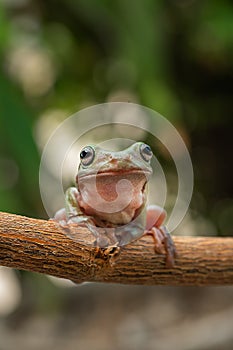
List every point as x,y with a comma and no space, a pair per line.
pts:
106,183
114,174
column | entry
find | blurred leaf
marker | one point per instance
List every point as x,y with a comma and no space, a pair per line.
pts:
17,140
4,29
218,19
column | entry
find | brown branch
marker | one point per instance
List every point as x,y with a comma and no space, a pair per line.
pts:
42,246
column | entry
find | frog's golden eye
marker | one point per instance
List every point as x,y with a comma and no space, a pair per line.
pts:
146,152
87,155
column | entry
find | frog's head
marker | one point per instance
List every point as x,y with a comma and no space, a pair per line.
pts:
95,160
114,181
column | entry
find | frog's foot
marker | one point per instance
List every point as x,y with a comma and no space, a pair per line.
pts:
163,243
64,222
80,220
61,218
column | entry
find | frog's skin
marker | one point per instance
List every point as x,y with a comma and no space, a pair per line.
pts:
114,210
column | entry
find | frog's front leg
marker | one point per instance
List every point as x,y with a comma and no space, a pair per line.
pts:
72,213
155,216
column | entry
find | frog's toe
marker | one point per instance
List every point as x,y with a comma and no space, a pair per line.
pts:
80,220
158,240
171,252
60,215
164,244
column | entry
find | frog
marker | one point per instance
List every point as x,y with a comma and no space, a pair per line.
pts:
110,199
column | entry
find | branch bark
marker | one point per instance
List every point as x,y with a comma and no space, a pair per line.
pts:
43,246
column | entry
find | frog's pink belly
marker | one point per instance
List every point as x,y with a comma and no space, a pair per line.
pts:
116,218
120,218
113,199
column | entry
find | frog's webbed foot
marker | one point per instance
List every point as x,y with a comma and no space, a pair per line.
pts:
163,244
60,217
80,220
64,221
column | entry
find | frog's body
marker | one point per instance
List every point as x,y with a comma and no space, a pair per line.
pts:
110,193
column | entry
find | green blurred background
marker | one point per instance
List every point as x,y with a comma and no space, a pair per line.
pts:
57,57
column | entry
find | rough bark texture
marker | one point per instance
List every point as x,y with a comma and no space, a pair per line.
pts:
43,246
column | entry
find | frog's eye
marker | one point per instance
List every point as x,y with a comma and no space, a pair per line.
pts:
146,152
87,155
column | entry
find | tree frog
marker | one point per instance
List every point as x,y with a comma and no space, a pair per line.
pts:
110,199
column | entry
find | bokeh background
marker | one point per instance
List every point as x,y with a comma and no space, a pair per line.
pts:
57,57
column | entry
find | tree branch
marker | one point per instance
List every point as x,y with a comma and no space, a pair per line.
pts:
42,246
